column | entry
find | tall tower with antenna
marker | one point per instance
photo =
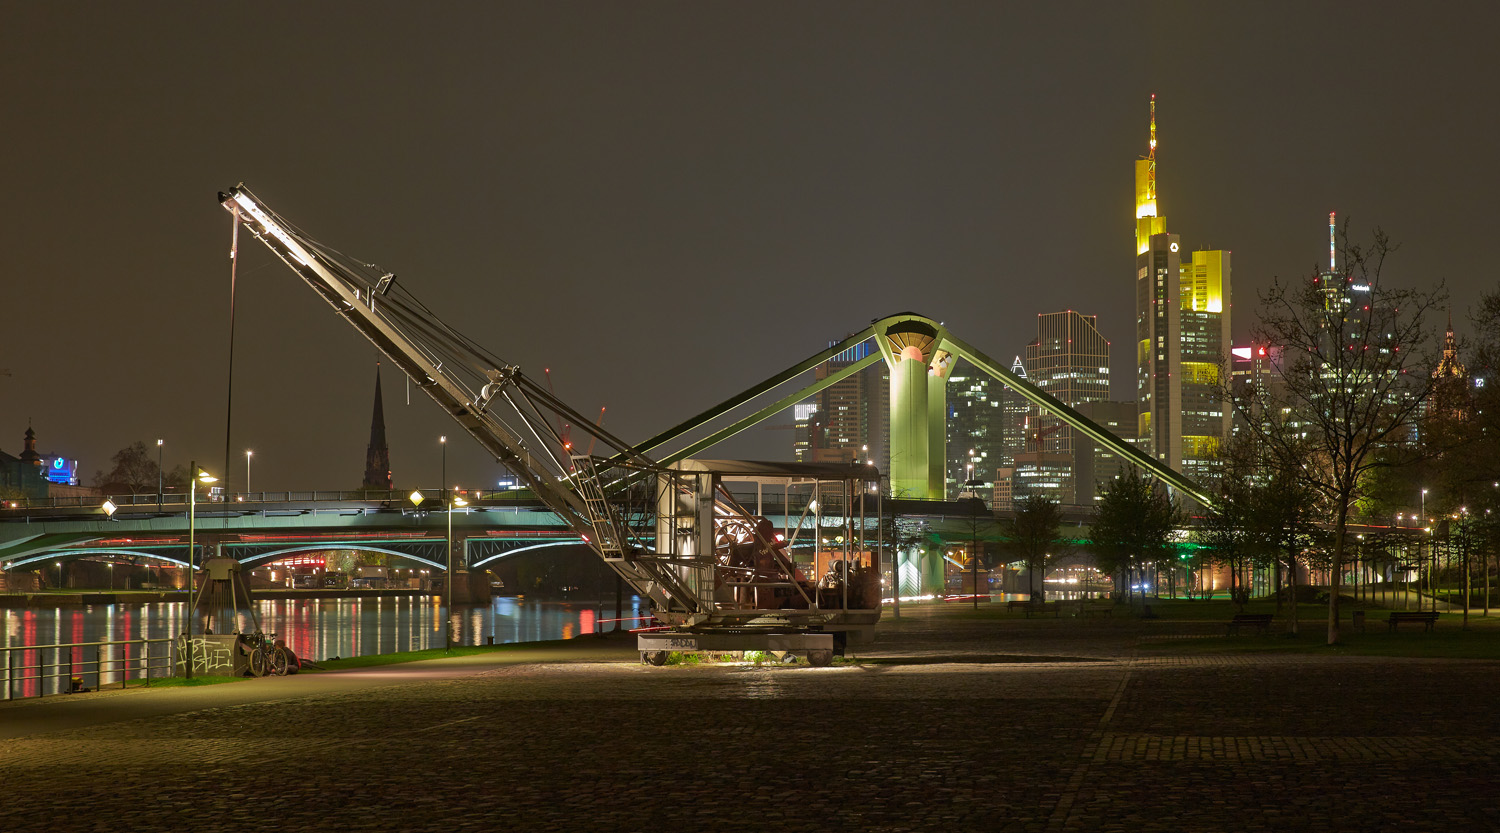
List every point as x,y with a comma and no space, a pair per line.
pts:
1148,219
1182,335
1333,244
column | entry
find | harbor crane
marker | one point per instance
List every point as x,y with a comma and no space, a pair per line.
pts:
719,576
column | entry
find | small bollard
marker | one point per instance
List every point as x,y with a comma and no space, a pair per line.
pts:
1359,620
489,640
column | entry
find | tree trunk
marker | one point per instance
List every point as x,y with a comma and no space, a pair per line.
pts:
1336,567
1292,578
1467,591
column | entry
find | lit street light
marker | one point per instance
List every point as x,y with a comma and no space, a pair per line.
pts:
1428,529
448,620
248,455
196,475
159,444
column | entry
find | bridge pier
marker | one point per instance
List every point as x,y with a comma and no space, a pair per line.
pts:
920,571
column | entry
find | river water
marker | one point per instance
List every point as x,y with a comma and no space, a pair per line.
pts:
315,629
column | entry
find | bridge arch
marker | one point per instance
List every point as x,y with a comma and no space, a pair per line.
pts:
70,554
260,558
507,553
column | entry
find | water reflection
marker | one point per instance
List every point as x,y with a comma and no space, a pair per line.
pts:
315,628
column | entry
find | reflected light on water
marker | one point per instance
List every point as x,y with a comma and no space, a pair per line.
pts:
321,628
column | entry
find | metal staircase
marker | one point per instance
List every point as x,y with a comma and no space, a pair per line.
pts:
609,538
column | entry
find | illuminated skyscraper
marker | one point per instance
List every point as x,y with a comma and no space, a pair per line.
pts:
974,427
849,420
1069,359
1182,336
986,429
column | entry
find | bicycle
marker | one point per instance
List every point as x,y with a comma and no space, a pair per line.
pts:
266,654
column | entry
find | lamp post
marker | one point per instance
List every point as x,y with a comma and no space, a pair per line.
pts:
248,455
159,443
195,474
1420,547
443,441
977,504
448,622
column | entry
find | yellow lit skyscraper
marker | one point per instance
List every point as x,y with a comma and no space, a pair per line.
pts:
1182,336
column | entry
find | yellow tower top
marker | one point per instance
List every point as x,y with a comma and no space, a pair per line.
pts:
1147,219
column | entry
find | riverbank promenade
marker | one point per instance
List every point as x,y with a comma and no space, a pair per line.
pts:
953,721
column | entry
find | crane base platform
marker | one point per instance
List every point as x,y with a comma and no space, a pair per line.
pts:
816,647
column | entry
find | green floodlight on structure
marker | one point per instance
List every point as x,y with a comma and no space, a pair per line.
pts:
919,353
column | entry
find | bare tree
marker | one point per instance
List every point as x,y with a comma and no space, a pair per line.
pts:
1133,529
1354,368
1035,534
134,472
1228,534
1283,519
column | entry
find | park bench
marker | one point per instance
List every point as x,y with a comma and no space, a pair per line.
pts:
1258,621
1017,604
1097,609
1428,617
1055,608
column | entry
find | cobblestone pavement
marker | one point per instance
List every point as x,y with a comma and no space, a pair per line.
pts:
949,725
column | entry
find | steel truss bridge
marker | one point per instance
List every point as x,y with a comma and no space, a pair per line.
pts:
264,527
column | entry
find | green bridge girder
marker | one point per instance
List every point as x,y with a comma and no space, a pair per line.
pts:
878,329
22,541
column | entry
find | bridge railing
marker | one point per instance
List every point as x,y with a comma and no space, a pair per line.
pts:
178,502
39,670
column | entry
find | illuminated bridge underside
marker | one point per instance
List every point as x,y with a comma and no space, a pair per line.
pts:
428,552
254,538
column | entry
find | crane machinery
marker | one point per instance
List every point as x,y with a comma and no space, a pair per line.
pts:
719,576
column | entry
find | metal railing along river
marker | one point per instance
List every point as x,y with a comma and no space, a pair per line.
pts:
178,502
38,670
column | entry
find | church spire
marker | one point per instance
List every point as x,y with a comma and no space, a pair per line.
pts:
377,455
1449,366
29,453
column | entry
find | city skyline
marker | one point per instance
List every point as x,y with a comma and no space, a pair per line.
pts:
555,184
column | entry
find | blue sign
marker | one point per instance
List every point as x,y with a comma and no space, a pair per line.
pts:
62,470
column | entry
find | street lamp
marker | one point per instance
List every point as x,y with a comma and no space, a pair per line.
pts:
448,621
197,475
971,493
159,443
443,441
248,455
1430,554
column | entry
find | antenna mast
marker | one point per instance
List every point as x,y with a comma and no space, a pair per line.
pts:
1151,156
1332,245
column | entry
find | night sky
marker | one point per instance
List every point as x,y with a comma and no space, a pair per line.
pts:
668,202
